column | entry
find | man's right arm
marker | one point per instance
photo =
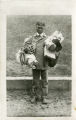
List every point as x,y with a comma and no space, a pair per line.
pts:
27,42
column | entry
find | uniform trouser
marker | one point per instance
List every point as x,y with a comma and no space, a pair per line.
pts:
39,86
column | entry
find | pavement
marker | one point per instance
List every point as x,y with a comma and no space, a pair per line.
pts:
19,105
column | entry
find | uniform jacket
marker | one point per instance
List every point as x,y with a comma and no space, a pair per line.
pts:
38,42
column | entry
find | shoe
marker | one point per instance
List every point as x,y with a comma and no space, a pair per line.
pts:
44,100
33,100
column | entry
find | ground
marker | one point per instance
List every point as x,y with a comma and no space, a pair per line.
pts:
19,105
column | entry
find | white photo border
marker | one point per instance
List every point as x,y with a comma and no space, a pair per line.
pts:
35,7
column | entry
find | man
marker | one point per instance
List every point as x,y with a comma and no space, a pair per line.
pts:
39,87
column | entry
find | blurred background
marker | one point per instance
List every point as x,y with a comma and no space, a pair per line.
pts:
20,27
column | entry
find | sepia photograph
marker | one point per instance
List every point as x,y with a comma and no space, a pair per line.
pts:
39,65
37,60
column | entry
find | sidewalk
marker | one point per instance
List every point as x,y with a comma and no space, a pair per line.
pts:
18,104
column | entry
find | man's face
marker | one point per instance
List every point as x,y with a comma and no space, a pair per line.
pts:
39,30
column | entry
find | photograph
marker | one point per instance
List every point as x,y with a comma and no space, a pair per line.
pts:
39,65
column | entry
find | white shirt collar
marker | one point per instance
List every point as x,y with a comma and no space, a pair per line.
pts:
42,34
